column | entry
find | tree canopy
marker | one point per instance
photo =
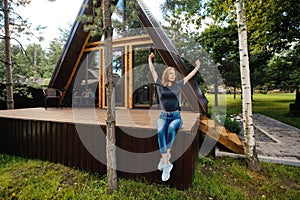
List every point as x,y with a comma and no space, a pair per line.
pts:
273,37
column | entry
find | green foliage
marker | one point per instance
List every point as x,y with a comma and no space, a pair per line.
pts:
273,27
31,63
31,67
94,22
124,19
232,125
283,70
274,24
182,11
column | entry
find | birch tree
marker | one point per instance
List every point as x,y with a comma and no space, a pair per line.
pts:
110,97
250,144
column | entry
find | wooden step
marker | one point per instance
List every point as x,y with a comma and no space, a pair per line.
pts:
221,134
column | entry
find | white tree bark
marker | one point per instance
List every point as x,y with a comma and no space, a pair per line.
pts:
250,143
110,97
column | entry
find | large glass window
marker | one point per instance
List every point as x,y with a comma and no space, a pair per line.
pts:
85,87
118,73
118,76
144,94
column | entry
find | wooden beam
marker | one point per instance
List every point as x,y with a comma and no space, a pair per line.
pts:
220,134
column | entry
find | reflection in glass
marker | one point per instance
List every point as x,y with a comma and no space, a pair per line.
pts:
144,93
86,80
118,72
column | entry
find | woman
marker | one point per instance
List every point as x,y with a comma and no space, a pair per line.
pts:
169,120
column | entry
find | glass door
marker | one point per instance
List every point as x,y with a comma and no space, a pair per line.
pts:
118,70
144,93
85,83
118,74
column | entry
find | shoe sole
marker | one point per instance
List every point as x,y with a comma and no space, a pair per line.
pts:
168,173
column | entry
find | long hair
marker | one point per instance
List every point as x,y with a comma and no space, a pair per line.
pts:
165,76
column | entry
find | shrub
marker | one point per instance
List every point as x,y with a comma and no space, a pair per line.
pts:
232,125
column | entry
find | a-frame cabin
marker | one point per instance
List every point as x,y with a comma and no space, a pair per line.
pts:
80,69
79,73
134,86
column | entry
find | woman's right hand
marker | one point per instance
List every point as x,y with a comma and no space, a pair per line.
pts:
151,56
151,67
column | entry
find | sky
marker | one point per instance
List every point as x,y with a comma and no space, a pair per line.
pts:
60,14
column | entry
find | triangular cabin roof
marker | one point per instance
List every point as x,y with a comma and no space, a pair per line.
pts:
72,49
163,44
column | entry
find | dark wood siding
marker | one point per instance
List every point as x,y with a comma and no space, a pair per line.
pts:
59,142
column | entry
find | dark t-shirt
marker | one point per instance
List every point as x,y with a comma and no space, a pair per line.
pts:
169,95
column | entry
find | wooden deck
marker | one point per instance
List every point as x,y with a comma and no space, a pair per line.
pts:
73,137
124,117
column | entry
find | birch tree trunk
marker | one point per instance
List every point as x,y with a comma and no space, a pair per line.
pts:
8,63
250,144
110,97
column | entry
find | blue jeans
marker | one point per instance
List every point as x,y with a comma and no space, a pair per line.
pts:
167,125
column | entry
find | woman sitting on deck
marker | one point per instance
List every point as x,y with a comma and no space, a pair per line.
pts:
169,120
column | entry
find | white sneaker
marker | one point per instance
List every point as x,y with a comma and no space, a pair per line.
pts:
166,171
161,163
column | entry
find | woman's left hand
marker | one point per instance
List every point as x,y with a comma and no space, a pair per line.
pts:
197,63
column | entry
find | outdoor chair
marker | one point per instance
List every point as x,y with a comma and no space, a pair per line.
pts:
51,93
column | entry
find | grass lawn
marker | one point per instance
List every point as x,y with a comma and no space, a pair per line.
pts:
224,178
274,105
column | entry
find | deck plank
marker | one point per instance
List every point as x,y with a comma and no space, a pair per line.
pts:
126,118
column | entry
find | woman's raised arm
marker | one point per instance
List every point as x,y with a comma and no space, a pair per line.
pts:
151,67
192,73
